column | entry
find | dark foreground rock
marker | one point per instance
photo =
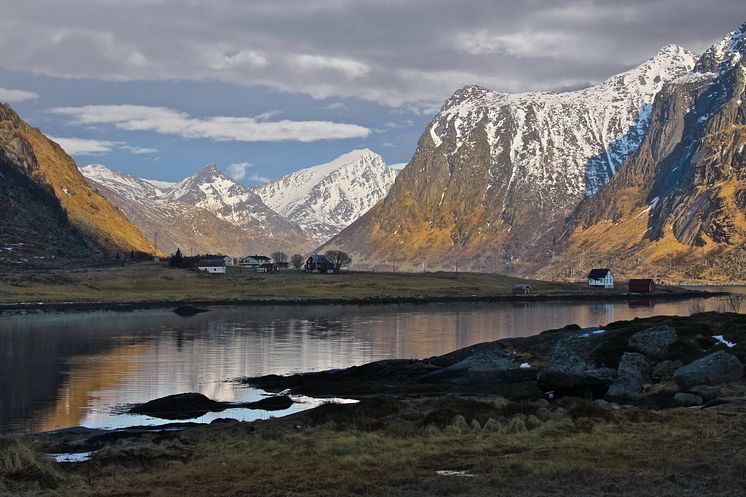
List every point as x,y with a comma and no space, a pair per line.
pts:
194,405
653,362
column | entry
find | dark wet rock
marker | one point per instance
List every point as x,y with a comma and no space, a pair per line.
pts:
714,369
194,405
189,310
664,370
178,406
687,399
654,342
706,392
274,403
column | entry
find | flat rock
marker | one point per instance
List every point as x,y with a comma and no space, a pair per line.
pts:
687,399
714,369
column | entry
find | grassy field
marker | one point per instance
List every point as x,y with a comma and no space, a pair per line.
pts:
395,449
155,281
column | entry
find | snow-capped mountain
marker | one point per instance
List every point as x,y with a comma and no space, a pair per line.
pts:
677,207
205,212
326,198
495,174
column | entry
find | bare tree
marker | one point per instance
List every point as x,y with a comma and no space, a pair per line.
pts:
297,261
337,259
279,257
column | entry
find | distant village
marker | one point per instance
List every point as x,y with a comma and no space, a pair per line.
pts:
332,261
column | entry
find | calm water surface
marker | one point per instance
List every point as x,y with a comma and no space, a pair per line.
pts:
61,370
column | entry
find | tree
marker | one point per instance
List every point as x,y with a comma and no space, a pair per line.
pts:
279,257
297,261
177,260
338,259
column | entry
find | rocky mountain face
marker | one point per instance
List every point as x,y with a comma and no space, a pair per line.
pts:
204,213
495,175
677,206
48,209
327,198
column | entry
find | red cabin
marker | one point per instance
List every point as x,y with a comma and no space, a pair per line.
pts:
642,286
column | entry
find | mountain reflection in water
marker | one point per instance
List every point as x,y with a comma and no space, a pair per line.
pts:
61,370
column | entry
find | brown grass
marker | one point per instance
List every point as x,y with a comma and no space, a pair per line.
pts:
154,281
679,452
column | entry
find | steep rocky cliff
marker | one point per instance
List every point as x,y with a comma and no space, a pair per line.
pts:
678,206
495,175
48,209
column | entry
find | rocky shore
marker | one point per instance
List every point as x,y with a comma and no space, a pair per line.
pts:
654,363
649,406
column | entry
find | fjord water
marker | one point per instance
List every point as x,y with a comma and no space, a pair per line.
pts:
60,370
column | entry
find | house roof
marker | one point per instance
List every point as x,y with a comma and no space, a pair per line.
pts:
641,281
318,258
521,286
258,257
211,263
598,274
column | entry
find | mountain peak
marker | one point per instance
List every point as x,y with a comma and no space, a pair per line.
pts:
209,170
724,54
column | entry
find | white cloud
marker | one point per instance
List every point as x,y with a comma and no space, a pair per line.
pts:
397,53
86,146
398,166
10,96
528,44
237,170
350,68
83,146
243,129
336,106
258,178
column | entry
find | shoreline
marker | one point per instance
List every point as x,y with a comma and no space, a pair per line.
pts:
136,305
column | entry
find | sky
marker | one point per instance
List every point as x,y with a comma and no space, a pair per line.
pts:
161,88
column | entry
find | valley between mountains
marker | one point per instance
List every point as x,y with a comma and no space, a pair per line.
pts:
643,172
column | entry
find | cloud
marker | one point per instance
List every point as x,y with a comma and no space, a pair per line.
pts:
398,53
348,67
398,166
12,96
90,147
258,178
237,170
83,146
336,106
242,129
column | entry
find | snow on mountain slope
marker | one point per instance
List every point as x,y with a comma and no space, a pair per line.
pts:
571,141
326,198
495,174
206,212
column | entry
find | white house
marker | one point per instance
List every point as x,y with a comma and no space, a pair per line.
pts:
601,278
255,261
214,266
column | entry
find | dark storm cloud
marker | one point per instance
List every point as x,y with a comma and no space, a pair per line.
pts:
410,53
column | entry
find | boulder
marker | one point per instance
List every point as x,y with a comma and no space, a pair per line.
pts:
664,370
625,385
714,369
687,399
706,392
632,370
633,364
653,342
571,368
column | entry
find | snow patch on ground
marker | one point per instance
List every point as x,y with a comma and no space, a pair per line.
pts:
721,339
